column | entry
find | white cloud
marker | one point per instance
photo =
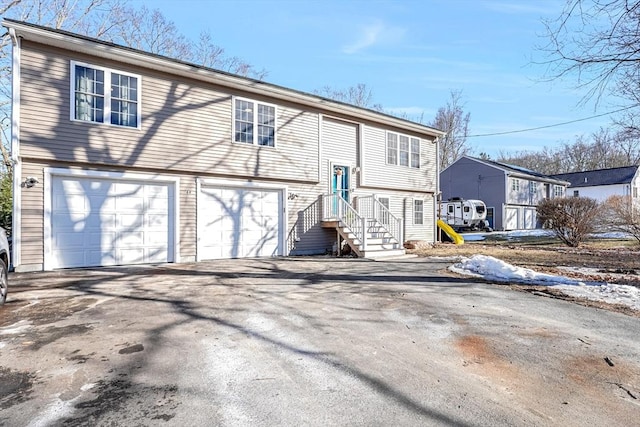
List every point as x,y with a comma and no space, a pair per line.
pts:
376,33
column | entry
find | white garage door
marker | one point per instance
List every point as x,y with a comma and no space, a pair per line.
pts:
239,222
99,222
530,218
511,219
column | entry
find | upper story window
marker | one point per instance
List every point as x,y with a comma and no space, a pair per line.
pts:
418,212
558,191
403,150
102,95
515,184
254,123
533,187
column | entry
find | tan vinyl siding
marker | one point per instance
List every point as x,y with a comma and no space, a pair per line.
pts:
419,231
186,126
377,173
32,215
305,234
187,234
339,145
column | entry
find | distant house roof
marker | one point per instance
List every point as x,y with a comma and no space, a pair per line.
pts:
593,178
520,171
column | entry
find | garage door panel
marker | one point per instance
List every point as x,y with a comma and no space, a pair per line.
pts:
103,203
131,256
239,222
71,203
157,221
129,203
109,222
104,221
156,239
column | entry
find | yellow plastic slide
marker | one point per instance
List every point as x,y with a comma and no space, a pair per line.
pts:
457,239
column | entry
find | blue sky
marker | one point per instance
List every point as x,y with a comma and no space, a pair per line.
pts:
412,54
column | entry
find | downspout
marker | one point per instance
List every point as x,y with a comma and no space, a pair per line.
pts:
506,199
438,195
16,225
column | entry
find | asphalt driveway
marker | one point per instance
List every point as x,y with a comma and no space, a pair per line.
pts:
307,341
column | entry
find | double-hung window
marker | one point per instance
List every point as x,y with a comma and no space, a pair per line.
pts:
101,95
515,184
254,123
403,150
418,211
558,191
392,148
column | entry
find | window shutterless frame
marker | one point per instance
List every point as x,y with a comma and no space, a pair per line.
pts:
418,211
253,122
105,96
403,150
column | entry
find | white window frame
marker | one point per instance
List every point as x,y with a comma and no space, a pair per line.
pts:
515,184
558,191
415,211
106,114
384,217
255,122
395,158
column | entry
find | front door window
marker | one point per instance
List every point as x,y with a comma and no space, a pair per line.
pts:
340,182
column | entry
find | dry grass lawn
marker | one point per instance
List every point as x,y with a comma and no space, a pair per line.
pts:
606,260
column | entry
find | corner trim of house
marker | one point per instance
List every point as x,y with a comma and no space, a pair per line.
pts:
16,227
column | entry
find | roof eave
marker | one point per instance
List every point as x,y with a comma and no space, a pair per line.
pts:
139,58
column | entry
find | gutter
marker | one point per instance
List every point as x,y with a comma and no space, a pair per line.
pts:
438,195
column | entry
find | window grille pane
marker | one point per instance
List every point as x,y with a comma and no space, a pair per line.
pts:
404,150
124,105
266,125
89,94
418,212
244,121
415,153
392,148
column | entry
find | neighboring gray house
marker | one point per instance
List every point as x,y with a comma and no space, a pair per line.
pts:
601,184
125,157
511,193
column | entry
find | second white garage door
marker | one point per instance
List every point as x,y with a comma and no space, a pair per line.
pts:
239,222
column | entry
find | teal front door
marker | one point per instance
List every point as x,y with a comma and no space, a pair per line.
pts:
340,182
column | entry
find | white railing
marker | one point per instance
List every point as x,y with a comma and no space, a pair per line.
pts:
370,207
335,207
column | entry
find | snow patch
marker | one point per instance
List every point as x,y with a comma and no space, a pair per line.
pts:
16,328
494,269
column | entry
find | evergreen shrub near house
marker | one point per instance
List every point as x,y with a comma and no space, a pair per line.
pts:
572,219
6,202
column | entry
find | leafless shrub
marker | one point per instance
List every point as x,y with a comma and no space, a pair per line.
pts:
622,213
570,218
